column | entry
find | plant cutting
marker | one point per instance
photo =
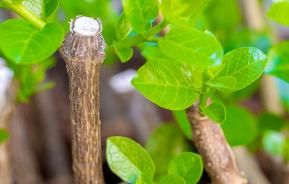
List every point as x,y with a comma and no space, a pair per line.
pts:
83,52
187,71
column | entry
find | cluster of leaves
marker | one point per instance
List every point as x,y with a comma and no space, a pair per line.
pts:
28,44
133,164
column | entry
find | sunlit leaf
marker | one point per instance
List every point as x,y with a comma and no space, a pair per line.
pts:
239,68
173,9
191,46
140,13
169,84
24,44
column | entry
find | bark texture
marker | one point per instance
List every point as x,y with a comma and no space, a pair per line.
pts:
83,56
219,160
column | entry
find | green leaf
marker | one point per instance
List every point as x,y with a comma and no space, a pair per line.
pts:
171,179
128,160
273,143
173,9
4,135
278,61
279,12
34,6
24,44
216,112
162,149
124,54
240,127
269,121
187,165
30,78
183,122
123,28
239,68
140,13
50,6
191,46
2,5
169,84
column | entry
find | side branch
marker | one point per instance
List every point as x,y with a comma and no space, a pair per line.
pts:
219,160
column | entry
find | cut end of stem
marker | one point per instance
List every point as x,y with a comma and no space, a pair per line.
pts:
85,26
84,42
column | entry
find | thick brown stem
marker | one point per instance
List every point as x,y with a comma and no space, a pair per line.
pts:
219,160
83,54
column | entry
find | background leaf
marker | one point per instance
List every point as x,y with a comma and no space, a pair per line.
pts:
129,160
50,6
279,12
191,46
162,149
187,165
173,9
183,122
278,61
169,84
216,112
239,68
273,143
241,130
171,179
140,13
24,44
4,135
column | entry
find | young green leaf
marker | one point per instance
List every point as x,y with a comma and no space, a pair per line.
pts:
171,179
188,45
169,84
124,54
162,149
129,160
123,28
183,122
239,68
4,135
240,127
173,9
140,13
187,165
24,44
216,112
279,12
278,63
49,7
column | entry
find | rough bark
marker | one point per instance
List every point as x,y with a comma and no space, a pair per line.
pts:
83,55
219,160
